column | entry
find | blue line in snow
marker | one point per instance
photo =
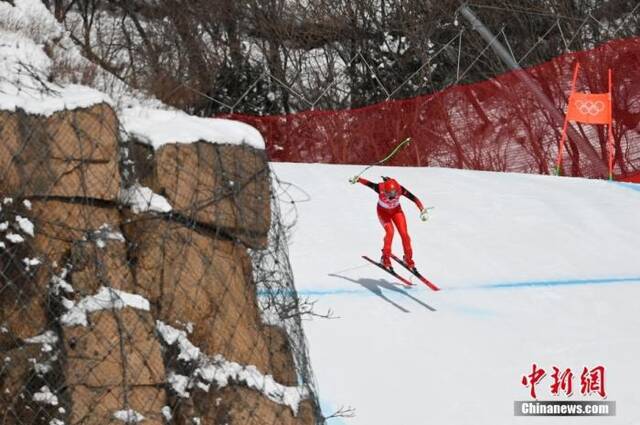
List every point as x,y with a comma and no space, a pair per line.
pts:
500,285
551,283
632,186
312,292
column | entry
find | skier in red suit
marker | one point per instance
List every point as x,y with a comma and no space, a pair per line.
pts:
390,212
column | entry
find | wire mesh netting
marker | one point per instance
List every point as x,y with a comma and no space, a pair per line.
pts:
142,285
497,125
290,58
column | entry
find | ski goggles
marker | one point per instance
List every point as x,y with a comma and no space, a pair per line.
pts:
391,194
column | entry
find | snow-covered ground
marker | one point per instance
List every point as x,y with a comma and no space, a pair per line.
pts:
34,46
533,269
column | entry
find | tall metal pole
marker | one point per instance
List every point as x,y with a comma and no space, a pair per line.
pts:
499,49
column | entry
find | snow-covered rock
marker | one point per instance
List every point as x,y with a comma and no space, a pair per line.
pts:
106,298
158,127
142,199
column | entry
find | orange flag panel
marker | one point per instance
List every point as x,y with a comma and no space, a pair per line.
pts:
590,108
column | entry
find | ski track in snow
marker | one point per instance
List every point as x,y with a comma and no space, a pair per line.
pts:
531,269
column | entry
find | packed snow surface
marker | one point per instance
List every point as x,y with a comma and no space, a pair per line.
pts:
533,269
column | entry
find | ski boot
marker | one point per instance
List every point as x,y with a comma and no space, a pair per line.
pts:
411,265
385,260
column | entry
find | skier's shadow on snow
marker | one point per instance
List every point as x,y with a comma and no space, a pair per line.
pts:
376,286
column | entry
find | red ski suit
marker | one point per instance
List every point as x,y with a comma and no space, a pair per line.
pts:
390,213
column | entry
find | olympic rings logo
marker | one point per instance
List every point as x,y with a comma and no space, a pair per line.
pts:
588,107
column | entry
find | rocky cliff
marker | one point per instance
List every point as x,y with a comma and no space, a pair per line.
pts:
131,296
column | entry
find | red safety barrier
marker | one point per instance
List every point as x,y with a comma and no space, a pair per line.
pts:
496,125
631,178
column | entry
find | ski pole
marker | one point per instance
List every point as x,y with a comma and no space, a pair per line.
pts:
386,158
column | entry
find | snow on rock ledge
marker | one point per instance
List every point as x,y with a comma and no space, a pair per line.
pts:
157,128
142,199
222,372
106,298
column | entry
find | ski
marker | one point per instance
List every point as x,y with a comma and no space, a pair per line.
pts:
390,271
416,273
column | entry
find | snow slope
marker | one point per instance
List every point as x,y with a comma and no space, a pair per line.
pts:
33,49
534,269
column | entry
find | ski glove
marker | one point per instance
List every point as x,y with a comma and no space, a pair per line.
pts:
353,180
424,215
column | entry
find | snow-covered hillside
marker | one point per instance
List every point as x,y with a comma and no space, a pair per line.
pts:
42,72
533,269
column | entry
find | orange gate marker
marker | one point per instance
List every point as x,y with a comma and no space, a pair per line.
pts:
588,108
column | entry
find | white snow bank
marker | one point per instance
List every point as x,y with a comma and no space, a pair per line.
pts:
159,127
25,68
30,17
26,71
59,99
224,372
142,199
106,298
